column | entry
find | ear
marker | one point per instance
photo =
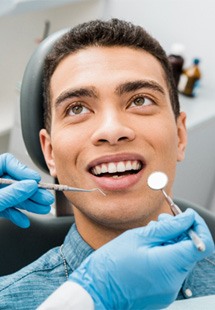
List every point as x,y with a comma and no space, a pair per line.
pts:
46,145
182,136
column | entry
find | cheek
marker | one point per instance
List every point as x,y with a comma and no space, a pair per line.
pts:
169,142
65,148
164,141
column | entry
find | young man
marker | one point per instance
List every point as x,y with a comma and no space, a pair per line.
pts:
111,119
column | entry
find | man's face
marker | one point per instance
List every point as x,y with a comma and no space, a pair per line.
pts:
113,125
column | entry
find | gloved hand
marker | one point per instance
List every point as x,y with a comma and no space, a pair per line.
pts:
144,268
21,195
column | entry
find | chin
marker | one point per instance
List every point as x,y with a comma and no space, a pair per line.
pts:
118,219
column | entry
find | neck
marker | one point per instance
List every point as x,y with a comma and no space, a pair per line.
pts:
94,234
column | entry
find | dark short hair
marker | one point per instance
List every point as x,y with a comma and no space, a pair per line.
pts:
114,32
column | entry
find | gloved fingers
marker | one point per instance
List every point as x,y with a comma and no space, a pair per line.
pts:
184,251
199,226
16,193
16,217
183,255
33,207
159,232
164,216
184,236
43,197
202,230
13,167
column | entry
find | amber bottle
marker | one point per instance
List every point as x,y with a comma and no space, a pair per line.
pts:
189,80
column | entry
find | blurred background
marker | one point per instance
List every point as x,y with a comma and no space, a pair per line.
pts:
190,23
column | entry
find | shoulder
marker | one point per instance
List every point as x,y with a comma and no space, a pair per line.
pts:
201,281
34,282
206,265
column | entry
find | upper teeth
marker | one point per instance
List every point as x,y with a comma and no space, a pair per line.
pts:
113,167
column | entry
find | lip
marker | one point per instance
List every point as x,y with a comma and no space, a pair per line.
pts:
115,184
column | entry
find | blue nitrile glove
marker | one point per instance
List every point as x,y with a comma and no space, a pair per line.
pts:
144,268
23,195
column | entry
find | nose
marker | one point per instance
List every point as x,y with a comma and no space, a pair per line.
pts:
113,129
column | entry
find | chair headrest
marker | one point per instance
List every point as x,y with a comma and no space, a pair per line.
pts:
31,99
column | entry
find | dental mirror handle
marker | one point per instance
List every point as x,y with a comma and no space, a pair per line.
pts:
191,233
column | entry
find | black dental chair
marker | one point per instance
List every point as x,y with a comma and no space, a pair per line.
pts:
20,247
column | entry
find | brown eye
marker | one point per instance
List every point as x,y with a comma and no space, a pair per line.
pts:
77,109
141,101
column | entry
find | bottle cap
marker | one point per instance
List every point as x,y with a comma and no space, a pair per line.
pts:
196,61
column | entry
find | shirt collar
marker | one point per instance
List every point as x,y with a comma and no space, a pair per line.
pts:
75,249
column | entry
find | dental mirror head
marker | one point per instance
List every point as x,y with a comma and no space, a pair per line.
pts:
157,180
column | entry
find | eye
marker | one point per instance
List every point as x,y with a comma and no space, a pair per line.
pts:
77,109
141,101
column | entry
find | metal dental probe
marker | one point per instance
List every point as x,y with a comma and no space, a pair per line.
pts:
55,187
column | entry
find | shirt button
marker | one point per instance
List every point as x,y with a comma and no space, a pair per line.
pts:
188,292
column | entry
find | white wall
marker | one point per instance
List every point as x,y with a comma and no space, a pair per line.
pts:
190,22
18,35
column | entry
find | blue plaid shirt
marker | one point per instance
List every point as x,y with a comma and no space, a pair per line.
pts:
29,287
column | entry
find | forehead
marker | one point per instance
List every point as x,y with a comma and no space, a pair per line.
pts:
102,66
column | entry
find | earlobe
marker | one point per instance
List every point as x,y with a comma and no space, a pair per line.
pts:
46,145
182,136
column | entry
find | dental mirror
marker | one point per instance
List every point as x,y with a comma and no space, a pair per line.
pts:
157,180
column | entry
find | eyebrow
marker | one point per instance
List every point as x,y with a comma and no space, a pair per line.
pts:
136,85
74,93
120,90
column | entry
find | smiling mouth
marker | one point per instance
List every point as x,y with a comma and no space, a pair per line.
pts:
117,169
